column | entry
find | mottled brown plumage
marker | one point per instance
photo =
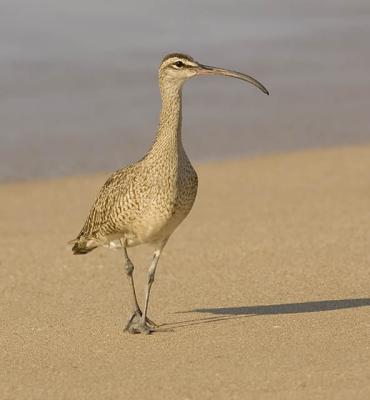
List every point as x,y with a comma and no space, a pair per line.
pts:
146,201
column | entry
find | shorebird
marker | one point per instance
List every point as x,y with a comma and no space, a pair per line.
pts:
146,201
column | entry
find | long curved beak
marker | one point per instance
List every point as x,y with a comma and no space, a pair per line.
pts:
208,70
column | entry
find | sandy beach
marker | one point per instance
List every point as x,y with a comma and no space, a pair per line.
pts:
265,286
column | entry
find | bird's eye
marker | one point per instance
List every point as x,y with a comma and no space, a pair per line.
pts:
179,64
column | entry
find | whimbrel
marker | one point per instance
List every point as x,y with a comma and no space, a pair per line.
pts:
146,201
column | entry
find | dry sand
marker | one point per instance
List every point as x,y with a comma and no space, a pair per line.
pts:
266,286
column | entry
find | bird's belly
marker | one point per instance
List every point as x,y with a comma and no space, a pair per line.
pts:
153,227
156,227
161,213
160,219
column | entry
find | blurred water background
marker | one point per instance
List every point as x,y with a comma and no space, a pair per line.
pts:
79,91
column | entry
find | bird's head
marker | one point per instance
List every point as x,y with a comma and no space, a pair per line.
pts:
176,68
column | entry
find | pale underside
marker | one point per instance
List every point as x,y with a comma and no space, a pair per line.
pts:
155,231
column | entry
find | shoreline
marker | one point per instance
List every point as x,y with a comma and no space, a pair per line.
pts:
195,162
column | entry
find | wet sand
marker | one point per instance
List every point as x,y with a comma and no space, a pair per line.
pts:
266,288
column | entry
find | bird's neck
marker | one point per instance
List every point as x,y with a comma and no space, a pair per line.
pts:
168,139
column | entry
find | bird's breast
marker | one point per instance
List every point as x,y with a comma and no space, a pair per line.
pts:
168,201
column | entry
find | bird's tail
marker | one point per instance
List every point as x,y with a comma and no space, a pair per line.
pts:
82,246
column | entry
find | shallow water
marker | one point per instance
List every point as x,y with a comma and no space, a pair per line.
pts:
78,79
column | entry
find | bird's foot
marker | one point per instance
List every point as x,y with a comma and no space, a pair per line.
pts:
136,324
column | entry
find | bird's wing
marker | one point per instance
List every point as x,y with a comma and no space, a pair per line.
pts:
107,214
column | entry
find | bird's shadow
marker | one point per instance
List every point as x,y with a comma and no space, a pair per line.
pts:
225,313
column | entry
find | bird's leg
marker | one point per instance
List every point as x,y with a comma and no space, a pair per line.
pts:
151,274
135,319
129,268
145,325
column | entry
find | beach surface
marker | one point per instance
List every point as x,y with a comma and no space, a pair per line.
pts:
266,287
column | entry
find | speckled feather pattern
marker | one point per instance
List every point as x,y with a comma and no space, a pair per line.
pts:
146,201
